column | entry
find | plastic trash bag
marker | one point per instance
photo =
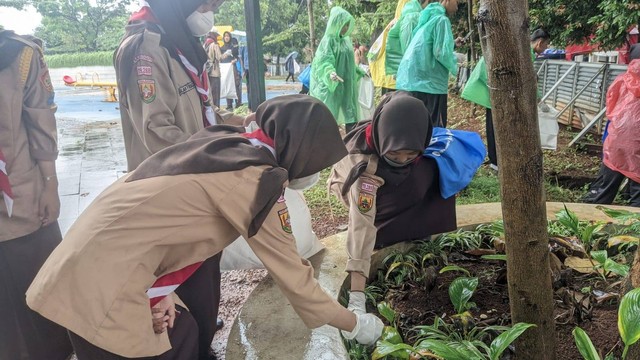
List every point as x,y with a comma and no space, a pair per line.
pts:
458,154
366,98
239,255
305,76
227,82
548,125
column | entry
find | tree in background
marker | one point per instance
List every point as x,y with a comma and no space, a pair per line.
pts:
573,22
81,25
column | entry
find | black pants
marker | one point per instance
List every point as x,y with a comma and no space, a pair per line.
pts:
491,139
184,343
605,188
246,76
293,79
24,334
305,90
214,84
201,294
437,106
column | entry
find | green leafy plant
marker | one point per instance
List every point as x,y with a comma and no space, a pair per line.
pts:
460,292
628,326
477,350
454,268
608,265
584,231
501,257
460,240
442,330
631,219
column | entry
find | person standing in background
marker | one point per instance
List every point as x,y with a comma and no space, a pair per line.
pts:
429,60
230,55
213,53
29,202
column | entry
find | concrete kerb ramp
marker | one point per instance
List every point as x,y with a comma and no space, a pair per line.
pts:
268,328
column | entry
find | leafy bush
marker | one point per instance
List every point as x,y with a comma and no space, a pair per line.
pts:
101,58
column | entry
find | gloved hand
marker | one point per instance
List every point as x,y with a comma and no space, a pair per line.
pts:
544,108
334,77
357,302
367,331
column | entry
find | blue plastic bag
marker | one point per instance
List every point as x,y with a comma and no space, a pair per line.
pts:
458,154
305,76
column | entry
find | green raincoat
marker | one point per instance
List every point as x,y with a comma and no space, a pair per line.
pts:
427,63
335,54
400,35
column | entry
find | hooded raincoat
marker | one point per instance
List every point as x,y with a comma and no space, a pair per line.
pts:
335,54
377,54
401,34
427,63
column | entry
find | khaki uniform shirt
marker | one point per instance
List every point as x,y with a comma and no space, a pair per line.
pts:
361,201
94,282
27,134
214,54
162,106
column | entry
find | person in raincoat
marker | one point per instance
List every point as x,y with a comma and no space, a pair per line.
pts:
377,56
621,148
334,74
429,59
401,34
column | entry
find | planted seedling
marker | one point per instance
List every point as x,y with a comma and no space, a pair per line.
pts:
460,292
606,265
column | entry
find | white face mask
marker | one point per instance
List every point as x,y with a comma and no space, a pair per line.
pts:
304,183
200,23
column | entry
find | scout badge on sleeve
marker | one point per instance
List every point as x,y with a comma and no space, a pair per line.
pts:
365,202
147,90
285,220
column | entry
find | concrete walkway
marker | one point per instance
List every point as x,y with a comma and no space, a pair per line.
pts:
268,328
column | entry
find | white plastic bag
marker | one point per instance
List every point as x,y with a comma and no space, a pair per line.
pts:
227,82
366,98
296,67
239,255
548,127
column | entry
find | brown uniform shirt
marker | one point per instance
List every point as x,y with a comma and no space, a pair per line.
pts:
27,134
214,54
94,282
162,106
361,201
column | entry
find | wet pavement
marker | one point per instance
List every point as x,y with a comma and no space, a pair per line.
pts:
91,146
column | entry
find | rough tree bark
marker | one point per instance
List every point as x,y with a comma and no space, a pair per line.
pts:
312,29
504,32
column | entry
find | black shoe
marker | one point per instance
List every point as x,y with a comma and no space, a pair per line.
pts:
219,324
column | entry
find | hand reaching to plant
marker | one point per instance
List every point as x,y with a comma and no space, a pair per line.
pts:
367,330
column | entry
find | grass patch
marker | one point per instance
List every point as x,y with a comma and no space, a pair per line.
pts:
100,58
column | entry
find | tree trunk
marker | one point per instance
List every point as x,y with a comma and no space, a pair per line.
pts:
278,72
472,47
504,32
312,29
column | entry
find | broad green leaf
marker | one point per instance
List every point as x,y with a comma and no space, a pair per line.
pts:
391,335
502,257
447,350
569,220
584,344
391,268
622,239
600,256
460,292
454,268
384,348
612,266
500,344
620,215
629,317
385,310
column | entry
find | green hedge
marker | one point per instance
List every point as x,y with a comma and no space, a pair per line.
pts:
100,58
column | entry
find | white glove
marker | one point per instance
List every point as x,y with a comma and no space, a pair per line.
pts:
544,108
334,77
367,331
357,302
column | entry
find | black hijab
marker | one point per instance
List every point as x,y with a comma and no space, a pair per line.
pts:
400,122
306,140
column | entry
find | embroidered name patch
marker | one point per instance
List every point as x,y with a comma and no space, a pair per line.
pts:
368,187
143,70
186,88
285,220
45,79
147,90
142,57
365,202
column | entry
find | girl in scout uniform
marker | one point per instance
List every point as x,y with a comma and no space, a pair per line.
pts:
164,99
392,192
109,279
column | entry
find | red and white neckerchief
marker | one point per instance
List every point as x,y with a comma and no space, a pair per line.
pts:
5,186
168,283
202,86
